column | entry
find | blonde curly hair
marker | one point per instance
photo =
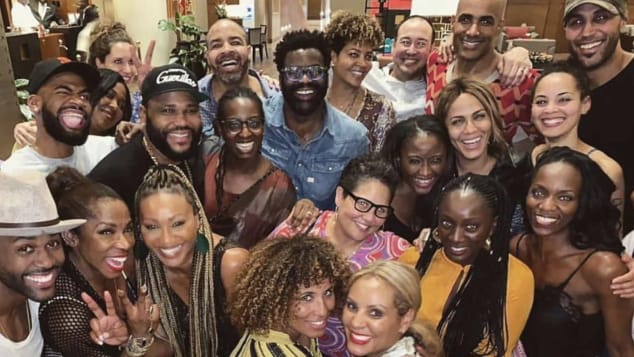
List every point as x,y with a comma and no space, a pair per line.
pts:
270,281
346,27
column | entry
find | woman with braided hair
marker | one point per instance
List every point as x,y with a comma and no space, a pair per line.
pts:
353,39
189,271
246,196
284,295
476,294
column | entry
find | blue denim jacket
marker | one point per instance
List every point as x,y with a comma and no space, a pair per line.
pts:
315,167
209,107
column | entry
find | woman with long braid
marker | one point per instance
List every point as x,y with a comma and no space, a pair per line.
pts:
189,272
477,295
183,265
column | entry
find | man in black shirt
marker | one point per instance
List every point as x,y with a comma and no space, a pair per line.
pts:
593,29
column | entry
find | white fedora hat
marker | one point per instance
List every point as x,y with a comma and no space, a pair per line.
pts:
27,208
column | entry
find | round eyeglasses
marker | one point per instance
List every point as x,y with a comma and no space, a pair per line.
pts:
235,126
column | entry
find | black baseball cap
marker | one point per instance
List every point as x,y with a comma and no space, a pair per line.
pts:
45,69
170,78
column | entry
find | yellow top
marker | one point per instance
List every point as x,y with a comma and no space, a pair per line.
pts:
442,274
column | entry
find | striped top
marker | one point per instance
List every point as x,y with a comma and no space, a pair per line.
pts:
274,344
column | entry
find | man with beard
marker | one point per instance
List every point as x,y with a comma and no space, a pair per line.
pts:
476,29
593,29
33,256
305,136
228,58
60,101
171,135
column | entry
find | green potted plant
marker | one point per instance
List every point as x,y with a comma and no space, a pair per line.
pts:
190,50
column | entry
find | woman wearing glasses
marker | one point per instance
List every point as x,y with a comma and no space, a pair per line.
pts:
363,200
353,39
246,196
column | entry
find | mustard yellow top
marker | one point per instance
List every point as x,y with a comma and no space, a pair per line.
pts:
442,274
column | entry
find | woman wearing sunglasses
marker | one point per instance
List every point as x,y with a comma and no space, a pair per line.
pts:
246,196
363,199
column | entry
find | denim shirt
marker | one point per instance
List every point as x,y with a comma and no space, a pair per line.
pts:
209,107
315,167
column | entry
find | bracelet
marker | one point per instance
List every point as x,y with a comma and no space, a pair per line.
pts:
138,346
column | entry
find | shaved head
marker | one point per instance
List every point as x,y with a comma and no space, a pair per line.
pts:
497,7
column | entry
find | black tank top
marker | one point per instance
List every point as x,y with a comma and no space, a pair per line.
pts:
558,327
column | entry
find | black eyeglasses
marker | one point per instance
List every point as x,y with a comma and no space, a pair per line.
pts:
362,205
296,73
235,126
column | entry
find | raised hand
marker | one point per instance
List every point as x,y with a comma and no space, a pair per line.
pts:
143,68
106,327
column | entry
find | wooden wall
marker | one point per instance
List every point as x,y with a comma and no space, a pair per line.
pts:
546,16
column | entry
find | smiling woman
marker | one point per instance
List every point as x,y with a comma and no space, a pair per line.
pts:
246,196
476,294
353,39
284,319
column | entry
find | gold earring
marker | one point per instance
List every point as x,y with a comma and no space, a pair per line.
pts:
487,244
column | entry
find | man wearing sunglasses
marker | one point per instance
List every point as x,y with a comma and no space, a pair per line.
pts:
305,136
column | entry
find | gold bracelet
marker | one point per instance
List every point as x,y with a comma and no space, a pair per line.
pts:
138,346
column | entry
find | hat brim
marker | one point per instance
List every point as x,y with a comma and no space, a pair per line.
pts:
88,73
200,97
62,226
600,3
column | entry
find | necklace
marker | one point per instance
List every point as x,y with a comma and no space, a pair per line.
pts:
351,105
155,161
28,319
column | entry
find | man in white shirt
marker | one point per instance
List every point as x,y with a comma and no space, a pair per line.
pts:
60,101
33,256
46,14
22,16
403,81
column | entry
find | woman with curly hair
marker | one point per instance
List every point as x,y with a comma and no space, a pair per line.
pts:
284,295
573,247
363,199
379,314
352,40
474,292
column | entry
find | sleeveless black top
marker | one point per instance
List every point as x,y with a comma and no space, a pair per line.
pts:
557,327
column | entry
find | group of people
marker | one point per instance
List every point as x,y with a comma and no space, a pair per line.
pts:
354,211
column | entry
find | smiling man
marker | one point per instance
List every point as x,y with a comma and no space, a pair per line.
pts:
60,101
228,58
593,28
33,256
305,136
172,134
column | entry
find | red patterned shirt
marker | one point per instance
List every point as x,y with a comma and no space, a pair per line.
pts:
515,102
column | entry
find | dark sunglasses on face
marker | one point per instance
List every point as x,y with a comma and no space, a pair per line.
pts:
296,73
235,126
362,205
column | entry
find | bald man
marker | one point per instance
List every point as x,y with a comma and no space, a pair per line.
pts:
476,30
228,57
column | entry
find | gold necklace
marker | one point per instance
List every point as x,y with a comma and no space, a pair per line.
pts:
155,161
351,105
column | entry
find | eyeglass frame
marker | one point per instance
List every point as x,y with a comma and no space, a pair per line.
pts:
243,124
304,72
376,207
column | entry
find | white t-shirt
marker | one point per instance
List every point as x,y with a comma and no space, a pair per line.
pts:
32,345
84,157
22,16
408,97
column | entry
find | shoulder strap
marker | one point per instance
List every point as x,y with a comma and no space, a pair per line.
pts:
517,245
592,149
563,285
